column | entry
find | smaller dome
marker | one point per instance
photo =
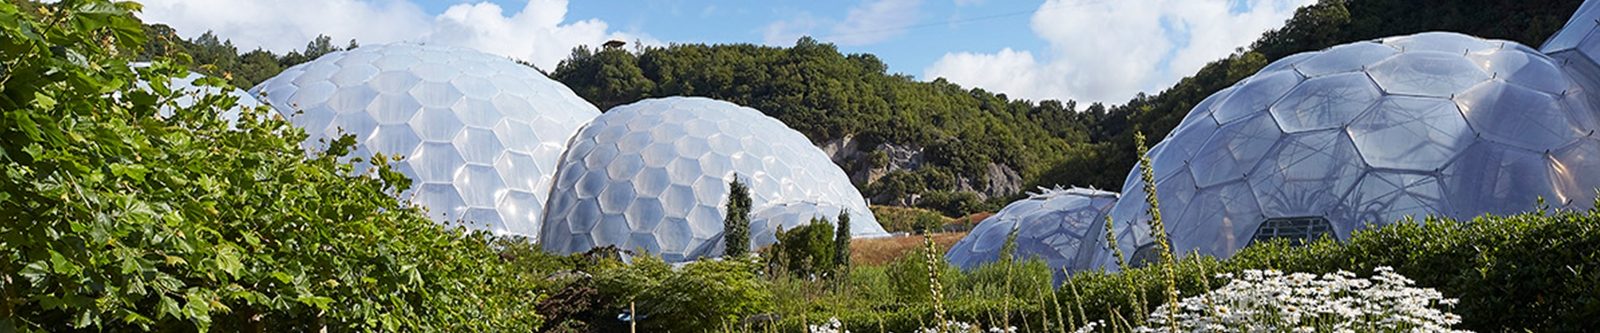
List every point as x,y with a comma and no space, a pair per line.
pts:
1057,225
653,176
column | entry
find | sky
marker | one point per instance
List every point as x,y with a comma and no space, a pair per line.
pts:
1083,50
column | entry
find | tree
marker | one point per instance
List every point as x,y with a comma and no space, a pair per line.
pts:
841,241
736,225
807,251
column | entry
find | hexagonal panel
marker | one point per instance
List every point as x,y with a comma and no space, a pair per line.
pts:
1518,116
1424,73
1234,150
1345,58
1255,95
1325,102
1411,133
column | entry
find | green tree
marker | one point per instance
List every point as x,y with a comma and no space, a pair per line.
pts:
736,225
806,251
841,241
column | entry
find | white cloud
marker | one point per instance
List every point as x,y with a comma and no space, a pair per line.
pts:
870,22
1108,51
536,33
785,32
876,21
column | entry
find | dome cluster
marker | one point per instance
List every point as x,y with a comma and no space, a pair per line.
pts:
1059,226
484,140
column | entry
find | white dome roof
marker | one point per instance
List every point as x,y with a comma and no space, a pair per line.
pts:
653,175
1059,226
481,134
1369,133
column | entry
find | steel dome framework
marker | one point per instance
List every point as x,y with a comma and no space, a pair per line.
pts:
1369,133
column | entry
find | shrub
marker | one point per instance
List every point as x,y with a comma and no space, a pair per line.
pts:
1511,273
807,251
114,219
697,297
903,219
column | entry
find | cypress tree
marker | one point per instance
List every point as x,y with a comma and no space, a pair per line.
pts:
736,224
841,241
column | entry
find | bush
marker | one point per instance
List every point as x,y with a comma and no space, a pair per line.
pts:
902,219
114,219
1511,273
807,251
697,297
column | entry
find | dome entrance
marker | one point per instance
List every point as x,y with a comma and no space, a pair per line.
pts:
1296,230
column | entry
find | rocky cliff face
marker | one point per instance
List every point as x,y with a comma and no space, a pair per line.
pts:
866,165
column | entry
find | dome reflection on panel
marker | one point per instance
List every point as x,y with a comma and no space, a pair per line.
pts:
480,134
665,164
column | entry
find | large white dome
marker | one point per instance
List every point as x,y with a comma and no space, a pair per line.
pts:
653,175
1328,142
481,134
1060,226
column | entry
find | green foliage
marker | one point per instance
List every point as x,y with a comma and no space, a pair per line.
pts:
609,77
806,251
1521,272
213,56
114,219
698,297
901,219
736,226
1516,273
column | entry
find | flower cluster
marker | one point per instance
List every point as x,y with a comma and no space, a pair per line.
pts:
1271,301
834,326
964,327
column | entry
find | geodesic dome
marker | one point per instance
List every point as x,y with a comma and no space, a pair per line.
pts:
1059,226
480,134
653,175
1368,133
1577,47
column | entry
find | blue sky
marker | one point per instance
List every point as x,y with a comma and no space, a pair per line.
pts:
1087,50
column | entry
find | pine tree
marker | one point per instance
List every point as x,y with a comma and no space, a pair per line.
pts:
736,226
